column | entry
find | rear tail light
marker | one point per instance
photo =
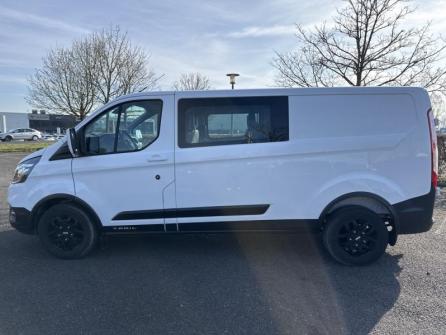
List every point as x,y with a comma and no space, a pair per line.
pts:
434,148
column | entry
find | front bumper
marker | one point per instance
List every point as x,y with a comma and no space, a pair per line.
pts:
415,215
20,219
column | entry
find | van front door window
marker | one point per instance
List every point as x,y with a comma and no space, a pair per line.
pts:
124,128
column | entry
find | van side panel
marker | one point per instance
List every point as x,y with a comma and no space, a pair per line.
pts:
339,144
380,141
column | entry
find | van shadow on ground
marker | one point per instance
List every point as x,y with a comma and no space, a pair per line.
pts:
189,284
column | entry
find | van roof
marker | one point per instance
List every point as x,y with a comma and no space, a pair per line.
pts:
278,91
415,91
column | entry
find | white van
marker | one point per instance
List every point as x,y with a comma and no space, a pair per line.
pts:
358,164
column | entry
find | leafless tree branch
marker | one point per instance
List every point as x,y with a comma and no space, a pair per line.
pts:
365,45
192,81
93,71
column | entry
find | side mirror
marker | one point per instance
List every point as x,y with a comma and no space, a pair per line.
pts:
73,143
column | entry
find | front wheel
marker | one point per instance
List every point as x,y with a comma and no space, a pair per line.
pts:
67,232
355,235
35,138
8,138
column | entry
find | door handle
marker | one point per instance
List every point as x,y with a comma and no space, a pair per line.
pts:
158,158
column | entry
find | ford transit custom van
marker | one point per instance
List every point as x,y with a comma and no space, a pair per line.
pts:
358,165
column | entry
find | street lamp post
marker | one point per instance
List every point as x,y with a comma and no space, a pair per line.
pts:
232,78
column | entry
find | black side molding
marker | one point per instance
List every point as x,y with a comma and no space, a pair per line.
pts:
311,225
192,212
155,228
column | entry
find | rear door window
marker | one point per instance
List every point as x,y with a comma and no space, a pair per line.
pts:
225,121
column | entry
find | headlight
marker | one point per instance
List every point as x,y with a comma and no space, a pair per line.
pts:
23,170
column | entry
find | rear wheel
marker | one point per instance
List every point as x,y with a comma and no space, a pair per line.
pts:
355,235
67,232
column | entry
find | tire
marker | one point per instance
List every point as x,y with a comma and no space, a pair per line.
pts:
35,138
355,235
67,232
8,138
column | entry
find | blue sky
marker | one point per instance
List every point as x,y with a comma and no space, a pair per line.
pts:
211,37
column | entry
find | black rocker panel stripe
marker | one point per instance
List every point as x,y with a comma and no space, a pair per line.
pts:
192,212
301,225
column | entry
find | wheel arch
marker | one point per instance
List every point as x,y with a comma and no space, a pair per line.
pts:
370,201
59,198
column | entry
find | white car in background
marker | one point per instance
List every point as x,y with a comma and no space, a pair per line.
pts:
21,134
48,137
52,137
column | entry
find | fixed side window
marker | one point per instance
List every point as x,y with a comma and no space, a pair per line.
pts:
225,121
128,127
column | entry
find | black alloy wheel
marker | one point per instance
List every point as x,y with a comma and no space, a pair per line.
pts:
66,231
355,235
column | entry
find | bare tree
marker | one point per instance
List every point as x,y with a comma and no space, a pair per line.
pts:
93,71
439,108
365,45
121,67
64,83
192,81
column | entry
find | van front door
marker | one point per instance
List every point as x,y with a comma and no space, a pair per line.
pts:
126,171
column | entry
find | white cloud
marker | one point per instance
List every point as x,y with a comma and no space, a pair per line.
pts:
13,79
433,12
11,62
256,31
42,21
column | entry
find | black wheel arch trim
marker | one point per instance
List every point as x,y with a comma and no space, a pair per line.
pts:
394,233
36,212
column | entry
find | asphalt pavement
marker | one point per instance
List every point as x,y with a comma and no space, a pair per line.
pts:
219,284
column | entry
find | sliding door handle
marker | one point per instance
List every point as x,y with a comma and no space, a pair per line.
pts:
158,158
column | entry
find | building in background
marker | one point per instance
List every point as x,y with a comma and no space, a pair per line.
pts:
51,123
40,120
10,121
